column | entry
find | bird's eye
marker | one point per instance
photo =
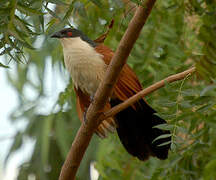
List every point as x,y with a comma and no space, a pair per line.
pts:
69,34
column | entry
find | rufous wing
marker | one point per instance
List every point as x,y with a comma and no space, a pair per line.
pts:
128,83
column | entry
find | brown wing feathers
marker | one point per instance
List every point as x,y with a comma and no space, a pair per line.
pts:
128,83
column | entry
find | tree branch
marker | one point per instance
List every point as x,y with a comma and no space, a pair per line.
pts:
86,131
146,91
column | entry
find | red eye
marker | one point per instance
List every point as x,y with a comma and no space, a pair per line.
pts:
69,34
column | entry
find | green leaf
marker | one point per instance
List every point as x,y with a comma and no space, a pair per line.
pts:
164,144
164,126
52,13
201,100
173,146
18,141
29,11
207,89
23,26
188,92
165,116
97,3
41,19
26,44
68,13
4,66
50,24
167,103
57,2
205,107
162,137
185,104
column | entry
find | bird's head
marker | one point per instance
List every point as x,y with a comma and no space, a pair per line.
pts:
69,34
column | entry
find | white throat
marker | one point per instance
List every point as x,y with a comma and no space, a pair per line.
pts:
85,65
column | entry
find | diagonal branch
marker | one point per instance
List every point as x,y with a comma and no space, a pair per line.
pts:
147,91
86,131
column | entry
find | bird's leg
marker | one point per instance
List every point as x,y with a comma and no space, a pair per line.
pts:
86,109
92,98
84,115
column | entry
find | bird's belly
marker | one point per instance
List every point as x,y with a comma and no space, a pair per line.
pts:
86,75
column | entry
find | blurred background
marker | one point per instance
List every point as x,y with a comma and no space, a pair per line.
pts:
38,119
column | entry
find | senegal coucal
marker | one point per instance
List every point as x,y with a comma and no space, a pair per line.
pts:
87,62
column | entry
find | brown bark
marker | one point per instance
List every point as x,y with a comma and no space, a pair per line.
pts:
147,91
86,131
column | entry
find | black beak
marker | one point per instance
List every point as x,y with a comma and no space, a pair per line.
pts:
56,35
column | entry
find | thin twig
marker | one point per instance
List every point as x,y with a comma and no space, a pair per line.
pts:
86,131
146,91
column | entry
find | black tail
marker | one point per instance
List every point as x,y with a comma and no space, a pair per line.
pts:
136,133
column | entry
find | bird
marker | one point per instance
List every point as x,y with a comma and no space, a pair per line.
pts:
87,62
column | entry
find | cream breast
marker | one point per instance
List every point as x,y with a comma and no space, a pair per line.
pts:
85,65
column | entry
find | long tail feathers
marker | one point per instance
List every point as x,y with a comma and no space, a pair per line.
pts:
136,132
